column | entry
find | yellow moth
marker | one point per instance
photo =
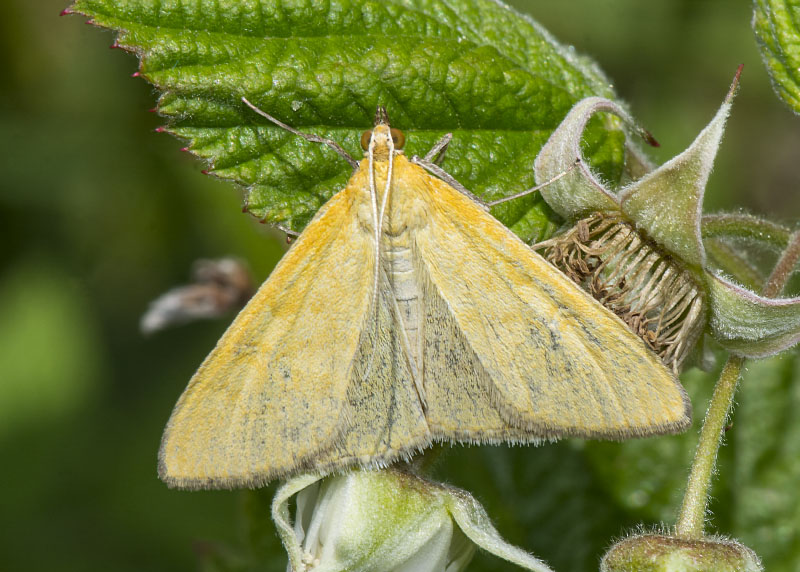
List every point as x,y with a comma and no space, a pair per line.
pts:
403,315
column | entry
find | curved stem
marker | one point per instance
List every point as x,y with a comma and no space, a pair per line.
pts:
745,226
783,269
732,261
695,500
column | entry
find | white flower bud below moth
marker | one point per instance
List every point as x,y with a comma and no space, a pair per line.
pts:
387,520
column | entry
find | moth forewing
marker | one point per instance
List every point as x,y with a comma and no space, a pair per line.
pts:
558,362
270,395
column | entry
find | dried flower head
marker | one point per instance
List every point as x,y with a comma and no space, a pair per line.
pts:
649,290
640,252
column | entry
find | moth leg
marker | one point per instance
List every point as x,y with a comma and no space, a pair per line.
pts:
448,178
436,154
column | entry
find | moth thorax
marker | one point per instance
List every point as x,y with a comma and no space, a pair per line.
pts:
652,293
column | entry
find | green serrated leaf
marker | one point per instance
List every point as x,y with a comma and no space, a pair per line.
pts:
776,24
474,68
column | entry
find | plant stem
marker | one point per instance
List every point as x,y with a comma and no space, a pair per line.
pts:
783,269
730,259
745,226
693,510
695,500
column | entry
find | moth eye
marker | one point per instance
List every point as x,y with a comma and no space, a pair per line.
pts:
398,138
365,137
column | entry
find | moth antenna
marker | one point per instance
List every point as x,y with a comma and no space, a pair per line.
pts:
307,136
381,118
447,178
436,154
373,193
534,189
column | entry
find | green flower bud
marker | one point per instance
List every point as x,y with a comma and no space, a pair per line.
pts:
657,553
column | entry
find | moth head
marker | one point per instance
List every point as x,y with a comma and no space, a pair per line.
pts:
382,138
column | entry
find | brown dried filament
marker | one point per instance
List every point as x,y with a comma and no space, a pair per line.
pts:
649,290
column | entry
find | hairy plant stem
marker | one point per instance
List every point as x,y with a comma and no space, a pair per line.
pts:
783,269
747,227
695,500
731,260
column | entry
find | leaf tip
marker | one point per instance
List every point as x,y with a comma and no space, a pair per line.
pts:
66,12
734,84
160,129
135,74
649,139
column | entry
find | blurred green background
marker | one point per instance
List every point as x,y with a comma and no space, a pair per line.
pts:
99,215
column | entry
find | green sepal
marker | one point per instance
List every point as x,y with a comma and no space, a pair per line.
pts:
579,192
748,324
667,204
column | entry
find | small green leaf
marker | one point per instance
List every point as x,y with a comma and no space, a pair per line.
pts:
474,68
776,24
